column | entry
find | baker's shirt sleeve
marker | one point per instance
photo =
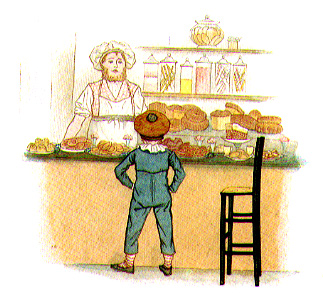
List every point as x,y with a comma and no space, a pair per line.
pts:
179,173
139,102
83,105
121,170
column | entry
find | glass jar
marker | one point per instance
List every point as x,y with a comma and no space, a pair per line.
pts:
233,43
186,77
206,33
222,76
239,77
151,74
167,74
203,76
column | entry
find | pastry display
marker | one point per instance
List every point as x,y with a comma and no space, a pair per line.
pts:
239,155
270,154
185,149
172,144
236,132
76,144
188,150
109,148
219,118
41,146
245,121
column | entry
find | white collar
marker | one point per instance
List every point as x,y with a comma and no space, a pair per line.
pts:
153,148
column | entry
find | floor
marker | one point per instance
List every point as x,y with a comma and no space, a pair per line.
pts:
200,277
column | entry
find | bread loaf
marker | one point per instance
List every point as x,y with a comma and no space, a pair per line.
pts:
233,108
245,121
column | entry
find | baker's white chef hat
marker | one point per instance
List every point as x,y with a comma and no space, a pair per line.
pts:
99,51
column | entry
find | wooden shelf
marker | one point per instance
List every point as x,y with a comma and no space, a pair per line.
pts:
206,49
254,98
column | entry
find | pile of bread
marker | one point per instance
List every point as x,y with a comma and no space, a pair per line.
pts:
187,116
253,121
79,143
41,146
190,116
185,149
109,148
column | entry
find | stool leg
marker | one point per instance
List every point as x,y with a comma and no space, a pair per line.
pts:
256,242
230,229
258,236
222,239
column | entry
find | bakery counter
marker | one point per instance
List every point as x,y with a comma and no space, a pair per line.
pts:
283,161
85,211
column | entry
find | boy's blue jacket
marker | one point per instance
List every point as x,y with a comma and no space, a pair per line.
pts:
151,186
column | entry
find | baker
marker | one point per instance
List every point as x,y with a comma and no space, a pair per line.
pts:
151,189
108,106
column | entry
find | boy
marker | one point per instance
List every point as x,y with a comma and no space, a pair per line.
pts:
150,190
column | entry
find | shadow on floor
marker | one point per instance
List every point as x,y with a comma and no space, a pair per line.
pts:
152,274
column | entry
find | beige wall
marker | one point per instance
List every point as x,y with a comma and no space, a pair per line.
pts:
85,215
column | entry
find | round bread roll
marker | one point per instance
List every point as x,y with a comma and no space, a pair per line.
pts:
196,115
158,106
256,114
193,125
270,119
189,106
233,108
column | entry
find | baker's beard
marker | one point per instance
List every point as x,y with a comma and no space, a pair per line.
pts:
110,76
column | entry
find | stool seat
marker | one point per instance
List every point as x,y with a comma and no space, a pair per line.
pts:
229,216
237,190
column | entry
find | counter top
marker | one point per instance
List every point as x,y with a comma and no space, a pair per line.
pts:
285,161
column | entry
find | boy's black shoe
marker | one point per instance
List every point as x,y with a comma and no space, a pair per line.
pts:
166,271
130,270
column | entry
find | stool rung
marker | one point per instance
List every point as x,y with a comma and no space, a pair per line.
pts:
236,220
239,252
242,214
242,245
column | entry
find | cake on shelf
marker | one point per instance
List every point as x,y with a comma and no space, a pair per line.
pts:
236,132
219,118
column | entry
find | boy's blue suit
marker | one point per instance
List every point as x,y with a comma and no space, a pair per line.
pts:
150,190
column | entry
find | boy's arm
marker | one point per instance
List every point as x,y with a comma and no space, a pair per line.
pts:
179,173
121,170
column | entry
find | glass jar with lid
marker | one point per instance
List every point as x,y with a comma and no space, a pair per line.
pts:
203,76
239,77
222,76
167,74
186,77
206,33
151,74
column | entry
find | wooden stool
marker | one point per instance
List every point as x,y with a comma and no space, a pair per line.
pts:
252,217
